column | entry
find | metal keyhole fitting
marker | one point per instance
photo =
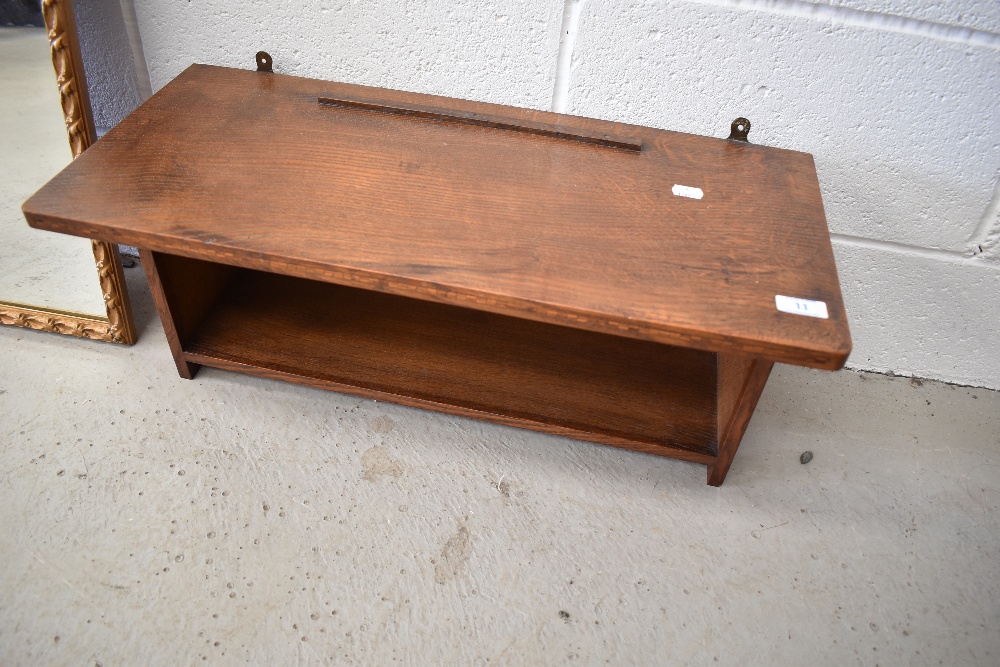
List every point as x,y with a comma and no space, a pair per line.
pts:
264,61
739,130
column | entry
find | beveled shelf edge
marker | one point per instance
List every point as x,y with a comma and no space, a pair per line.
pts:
219,253
668,451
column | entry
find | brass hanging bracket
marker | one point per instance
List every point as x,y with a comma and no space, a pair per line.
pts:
739,130
264,61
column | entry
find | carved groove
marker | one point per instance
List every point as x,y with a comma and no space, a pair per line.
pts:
56,322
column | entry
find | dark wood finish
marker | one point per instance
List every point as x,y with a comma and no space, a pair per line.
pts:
668,451
466,257
732,370
519,224
184,290
598,387
562,131
741,381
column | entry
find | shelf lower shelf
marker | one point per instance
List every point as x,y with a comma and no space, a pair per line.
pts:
629,393
443,201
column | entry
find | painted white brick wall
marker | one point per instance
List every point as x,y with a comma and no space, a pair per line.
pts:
897,100
926,315
497,51
109,65
903,128
976,14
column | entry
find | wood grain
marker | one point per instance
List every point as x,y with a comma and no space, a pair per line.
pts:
184,291
466,257
245,168
561,131
732,371
741,381
647,396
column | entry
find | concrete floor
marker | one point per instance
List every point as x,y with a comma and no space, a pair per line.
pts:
156,521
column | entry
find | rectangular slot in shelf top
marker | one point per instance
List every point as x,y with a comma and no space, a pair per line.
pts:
248,169
484,120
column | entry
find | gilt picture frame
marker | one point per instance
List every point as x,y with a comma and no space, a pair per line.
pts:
117,324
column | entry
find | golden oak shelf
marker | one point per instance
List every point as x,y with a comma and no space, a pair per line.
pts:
518,266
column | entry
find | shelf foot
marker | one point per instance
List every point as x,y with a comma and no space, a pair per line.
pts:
184,290
741,381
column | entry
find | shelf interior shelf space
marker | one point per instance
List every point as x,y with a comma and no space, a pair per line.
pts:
652,394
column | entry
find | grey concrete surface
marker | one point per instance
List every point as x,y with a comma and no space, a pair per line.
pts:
229,520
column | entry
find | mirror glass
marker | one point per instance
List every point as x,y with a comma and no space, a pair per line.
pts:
37,268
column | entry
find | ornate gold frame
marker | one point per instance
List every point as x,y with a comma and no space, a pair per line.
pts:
117,326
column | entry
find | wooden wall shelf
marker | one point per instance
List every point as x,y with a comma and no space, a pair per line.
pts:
518,266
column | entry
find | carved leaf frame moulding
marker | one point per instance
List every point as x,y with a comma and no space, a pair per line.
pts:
117,326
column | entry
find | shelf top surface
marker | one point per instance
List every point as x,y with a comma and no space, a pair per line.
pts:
528,213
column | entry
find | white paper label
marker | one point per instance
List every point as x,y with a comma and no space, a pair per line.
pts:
687,191
789,304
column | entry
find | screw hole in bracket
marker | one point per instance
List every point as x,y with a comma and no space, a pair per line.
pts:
264,61
739,130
